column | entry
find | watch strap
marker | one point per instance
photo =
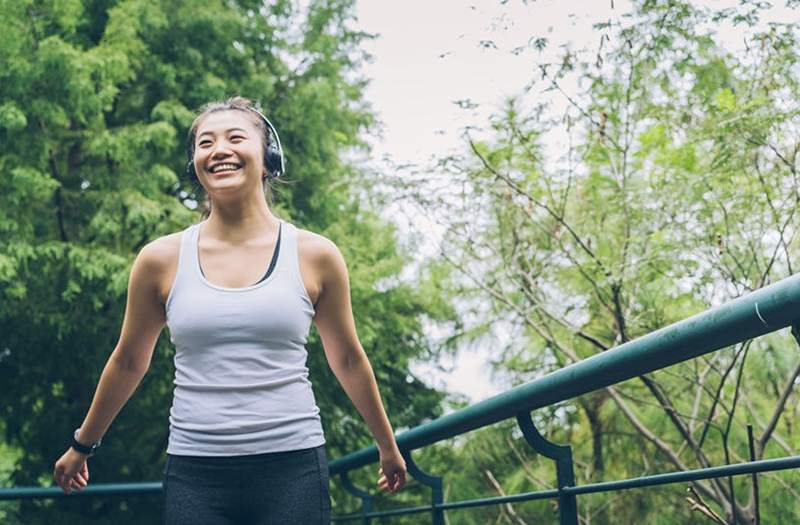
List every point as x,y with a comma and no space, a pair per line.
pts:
80,447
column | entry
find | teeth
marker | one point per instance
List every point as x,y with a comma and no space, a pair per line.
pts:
225,167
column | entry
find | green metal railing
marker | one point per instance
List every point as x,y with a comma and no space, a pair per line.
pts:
761,312
758,313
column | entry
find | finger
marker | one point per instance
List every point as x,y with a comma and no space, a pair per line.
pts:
399,481
60,482
390,485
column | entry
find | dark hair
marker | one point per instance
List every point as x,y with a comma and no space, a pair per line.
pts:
237,103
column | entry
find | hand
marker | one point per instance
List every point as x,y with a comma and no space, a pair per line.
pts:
392,471
71,471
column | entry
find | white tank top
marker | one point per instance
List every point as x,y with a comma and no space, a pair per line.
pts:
241,381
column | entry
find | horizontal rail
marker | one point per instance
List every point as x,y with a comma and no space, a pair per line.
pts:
103,489
757,313
454,505
738,469
750,467
155,487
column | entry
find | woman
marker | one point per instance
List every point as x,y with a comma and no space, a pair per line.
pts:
245,443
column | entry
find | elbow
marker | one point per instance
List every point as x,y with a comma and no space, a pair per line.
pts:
353,360
128,363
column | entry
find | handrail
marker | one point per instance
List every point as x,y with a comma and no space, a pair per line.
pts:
758,313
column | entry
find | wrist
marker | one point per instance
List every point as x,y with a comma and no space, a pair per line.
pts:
76,452
388,448
84,449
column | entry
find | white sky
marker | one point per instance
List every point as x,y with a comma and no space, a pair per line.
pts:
429,55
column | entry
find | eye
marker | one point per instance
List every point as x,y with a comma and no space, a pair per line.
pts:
237,137
204,142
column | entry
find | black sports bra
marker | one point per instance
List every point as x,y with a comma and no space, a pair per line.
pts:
274,256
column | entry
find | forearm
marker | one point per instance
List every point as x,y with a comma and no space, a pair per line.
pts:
117,383
358,381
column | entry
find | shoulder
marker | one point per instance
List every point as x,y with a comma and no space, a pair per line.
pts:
319,251
156,265
160,253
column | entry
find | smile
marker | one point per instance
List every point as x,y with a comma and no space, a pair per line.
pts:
224,168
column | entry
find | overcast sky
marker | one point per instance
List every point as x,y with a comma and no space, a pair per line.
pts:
430,54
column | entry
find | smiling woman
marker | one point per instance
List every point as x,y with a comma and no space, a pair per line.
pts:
246,444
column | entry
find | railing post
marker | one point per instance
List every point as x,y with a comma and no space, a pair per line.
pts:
434,482
565,475
366,499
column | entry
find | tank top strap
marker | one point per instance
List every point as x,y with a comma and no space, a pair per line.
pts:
190,242
290,252
187,259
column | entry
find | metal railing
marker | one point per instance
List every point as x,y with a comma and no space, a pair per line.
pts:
755,314
761,312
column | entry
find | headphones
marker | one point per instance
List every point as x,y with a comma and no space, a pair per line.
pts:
273,157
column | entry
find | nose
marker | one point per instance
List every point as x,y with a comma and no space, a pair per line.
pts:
221,148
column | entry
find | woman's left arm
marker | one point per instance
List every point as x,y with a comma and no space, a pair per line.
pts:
349,362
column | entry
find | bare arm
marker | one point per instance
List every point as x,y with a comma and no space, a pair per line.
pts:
143,321
350,365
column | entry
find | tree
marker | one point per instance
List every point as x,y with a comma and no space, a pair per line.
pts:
677,190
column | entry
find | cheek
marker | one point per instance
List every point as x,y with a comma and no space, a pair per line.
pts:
200,158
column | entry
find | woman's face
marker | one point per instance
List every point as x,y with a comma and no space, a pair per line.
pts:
228,152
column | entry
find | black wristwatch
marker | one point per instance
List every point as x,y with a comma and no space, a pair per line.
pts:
89,450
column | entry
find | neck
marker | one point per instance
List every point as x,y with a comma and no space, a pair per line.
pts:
239,222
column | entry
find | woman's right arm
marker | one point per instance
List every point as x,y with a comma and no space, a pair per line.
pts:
141,326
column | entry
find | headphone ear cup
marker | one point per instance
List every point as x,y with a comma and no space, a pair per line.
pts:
272,161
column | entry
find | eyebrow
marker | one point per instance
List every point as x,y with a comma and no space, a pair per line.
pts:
228,130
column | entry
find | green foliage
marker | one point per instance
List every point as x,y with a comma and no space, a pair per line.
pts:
95,99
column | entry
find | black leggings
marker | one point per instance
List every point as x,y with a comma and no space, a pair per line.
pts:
277,488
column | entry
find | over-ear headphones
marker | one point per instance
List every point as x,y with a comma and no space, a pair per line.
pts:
273,157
